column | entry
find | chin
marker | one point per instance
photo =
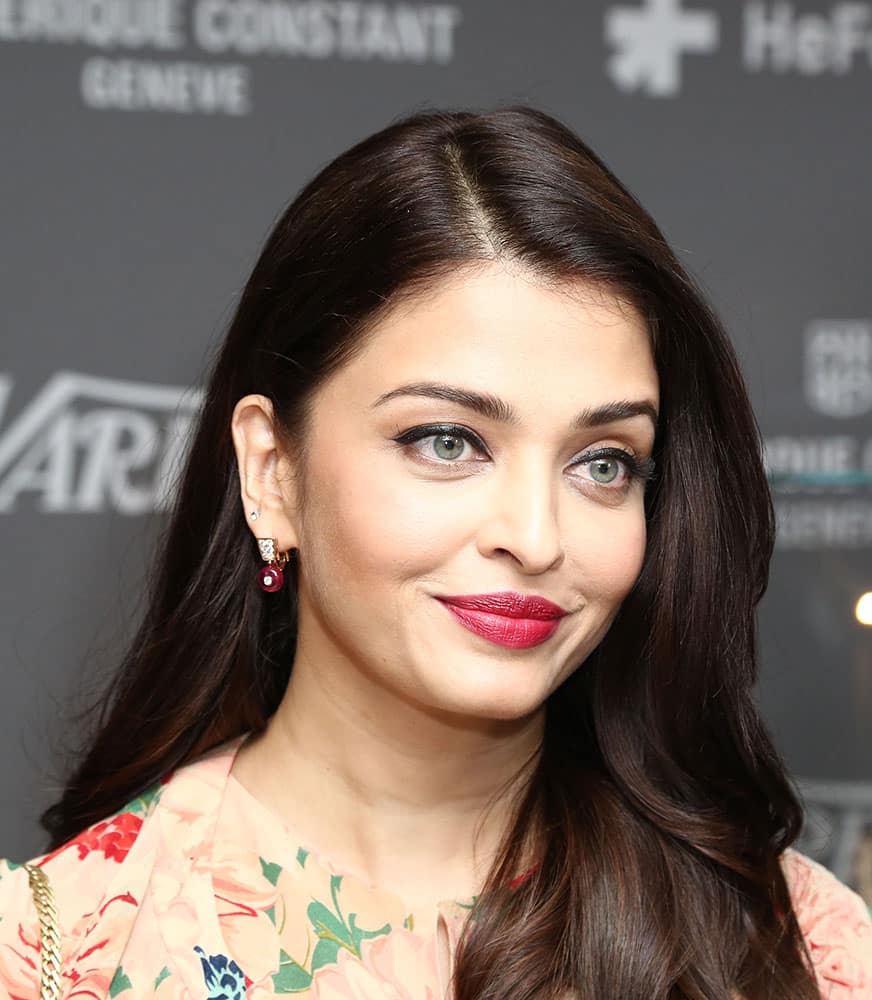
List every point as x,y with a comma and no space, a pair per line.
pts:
497,698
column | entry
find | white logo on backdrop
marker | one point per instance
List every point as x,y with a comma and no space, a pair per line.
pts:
838,367
91,444
822,477
209,32
650,40
778,39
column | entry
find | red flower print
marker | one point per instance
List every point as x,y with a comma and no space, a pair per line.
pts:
113,837
521,879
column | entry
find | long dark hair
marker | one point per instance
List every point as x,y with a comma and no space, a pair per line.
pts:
660,805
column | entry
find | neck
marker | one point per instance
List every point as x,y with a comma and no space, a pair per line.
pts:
403,796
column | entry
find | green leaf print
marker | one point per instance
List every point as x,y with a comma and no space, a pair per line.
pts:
271,870
335,884
326,953
143,804
161,976
291,977
271,913
334,931
328,925
119,983
301,857
358,934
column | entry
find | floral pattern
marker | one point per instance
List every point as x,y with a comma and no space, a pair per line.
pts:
194,889
224,979
112,838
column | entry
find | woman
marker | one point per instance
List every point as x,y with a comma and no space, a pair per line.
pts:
445,684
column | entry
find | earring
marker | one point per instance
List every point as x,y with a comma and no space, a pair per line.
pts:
254,515
271,577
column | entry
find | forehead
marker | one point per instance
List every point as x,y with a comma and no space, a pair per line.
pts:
502,330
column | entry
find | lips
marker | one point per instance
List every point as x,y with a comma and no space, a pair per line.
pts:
506,618
508,603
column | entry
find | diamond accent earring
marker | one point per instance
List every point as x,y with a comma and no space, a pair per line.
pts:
271,577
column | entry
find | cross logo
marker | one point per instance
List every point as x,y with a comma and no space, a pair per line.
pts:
648,41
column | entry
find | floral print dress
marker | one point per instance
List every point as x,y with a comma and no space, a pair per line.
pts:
197,890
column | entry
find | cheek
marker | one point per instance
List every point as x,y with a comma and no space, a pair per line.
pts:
610,557
369,528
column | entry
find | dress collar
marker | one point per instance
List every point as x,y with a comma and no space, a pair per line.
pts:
217,901
181,889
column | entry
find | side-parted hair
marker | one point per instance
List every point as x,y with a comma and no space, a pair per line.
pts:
658,807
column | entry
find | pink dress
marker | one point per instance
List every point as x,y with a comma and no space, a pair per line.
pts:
196,890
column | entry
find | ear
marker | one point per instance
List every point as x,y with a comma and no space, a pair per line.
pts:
266,475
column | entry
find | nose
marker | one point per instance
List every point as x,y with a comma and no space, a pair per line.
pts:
521,516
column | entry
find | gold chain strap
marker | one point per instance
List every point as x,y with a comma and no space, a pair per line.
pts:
49,934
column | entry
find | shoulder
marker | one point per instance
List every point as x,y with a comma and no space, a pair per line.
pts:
18,932
80,873
100,877
836,924
15,895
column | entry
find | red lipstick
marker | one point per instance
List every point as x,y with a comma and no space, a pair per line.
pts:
506,617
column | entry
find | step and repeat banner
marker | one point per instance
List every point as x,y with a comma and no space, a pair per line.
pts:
147,147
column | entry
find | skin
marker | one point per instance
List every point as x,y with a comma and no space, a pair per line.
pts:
399,727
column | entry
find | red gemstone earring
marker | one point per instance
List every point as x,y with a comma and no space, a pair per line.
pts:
271,577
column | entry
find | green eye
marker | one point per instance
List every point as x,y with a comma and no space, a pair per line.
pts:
448,446
444,442
605,470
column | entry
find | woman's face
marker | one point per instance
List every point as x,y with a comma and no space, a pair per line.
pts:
416,496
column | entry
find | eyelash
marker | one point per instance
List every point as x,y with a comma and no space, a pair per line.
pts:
641,469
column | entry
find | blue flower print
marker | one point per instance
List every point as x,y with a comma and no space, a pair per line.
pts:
224,979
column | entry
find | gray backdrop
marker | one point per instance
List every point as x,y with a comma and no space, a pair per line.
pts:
147,149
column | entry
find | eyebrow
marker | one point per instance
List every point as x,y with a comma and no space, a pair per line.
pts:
496,409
